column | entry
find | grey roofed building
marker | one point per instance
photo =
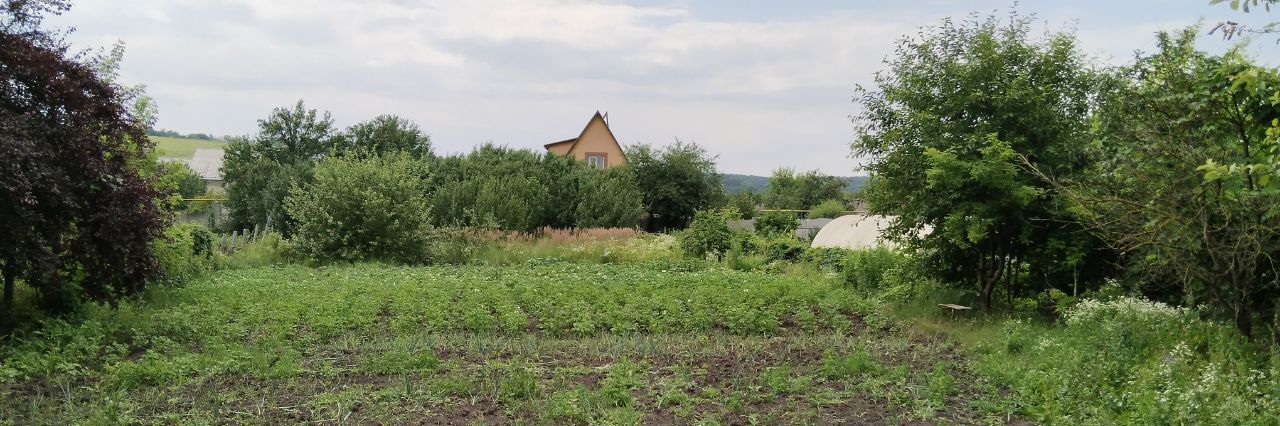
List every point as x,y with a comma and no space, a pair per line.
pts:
207,163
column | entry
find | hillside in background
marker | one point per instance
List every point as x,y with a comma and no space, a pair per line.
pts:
171,147
734,183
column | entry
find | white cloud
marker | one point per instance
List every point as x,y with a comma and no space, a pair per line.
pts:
762,93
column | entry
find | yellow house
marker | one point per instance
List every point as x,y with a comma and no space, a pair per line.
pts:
595,145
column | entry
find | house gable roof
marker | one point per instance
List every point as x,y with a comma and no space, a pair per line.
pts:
574,142
207,162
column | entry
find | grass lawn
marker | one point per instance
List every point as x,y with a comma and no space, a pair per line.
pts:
183,148
537,343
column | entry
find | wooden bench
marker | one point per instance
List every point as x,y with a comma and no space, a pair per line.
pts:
952,309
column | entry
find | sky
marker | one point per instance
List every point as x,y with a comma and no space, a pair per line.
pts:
761,84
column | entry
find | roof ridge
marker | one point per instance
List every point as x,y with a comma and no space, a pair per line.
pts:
575,140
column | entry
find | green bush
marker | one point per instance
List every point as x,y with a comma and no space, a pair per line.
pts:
524,190
774,223
785,249
745,203
748,243
454,245
270,249
1132,361
708,234
826,258
608,198
829,209
177,181
363,209
185,252
865,269
746,251
906,279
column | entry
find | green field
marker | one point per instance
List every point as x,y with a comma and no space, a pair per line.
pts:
553,343
168,147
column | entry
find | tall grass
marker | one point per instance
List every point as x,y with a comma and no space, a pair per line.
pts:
1131,361
595,245
551,236
271,249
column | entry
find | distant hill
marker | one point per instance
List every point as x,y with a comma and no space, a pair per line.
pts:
182,148
854,183
734,183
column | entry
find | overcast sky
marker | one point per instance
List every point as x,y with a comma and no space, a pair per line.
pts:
762,84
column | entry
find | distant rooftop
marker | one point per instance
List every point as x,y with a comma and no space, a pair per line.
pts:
207,163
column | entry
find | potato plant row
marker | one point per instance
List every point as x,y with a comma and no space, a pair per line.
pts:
256,320
557,299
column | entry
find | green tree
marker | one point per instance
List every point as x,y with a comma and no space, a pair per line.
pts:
78,216
295,135
829,209
177,181
708,234
386,133
566,180
789,190
360,209
745,203
517,189
944,130
608,198
260,171
776,223
1189,183
492,186
676,181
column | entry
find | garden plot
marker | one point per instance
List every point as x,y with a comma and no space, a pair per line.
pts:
555,344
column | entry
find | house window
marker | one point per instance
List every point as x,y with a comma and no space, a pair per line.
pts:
596,160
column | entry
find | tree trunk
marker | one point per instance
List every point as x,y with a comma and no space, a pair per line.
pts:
6,304
1244,321
985,295
1275,324
985,300
1244,317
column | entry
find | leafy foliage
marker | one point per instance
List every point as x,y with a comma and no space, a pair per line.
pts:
675,182
707,235
385,134
945,130
789,190
608,198
178,181
498,187
363,209
745,204
776,223
784,248
77,213
866,269
1190,179
829,209
259,172
185,252
1132,361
